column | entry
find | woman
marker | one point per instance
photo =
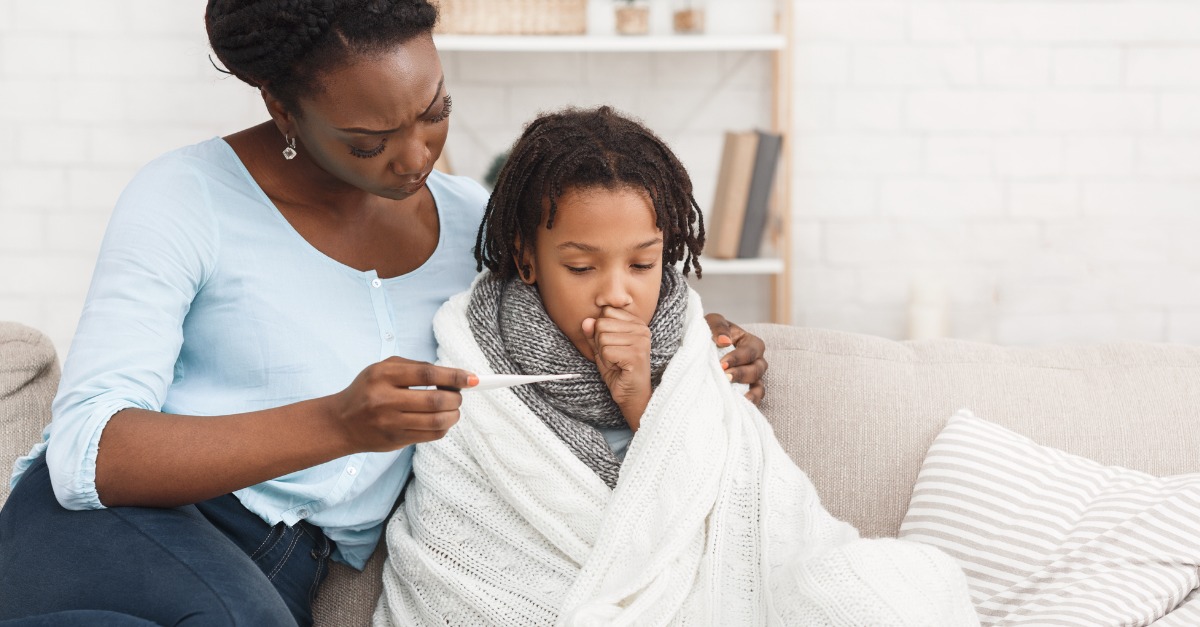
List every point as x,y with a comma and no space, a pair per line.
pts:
238,403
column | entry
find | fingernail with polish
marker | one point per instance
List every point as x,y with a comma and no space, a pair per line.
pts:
729,375
472,380
724,365
724,340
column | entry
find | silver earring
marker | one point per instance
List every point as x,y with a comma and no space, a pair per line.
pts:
289,153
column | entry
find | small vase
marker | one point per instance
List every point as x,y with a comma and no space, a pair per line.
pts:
633,20
689,21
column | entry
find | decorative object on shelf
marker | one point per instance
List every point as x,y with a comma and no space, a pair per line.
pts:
512,17
633,17
928,317
689,17
493,171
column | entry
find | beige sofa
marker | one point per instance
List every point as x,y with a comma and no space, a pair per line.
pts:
856,412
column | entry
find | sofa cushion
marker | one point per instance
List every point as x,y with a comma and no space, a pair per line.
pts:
857,412
1047,537
28,381
347,597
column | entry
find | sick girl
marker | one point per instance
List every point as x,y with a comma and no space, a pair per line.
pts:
645,491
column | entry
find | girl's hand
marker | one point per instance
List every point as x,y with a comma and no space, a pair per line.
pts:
621,345
380,411
745,363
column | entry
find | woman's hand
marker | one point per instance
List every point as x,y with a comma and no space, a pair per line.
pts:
380,410
745,363
139,461
621,345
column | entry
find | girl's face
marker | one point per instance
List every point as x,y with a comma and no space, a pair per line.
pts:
380,122
604,251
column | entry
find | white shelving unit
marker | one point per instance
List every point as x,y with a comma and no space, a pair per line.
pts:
770,266
608,43
776,44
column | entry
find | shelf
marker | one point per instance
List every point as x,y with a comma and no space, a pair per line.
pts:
713,267
774,46
608,43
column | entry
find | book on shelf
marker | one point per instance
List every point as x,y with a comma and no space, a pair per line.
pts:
758,201
733,187
739,213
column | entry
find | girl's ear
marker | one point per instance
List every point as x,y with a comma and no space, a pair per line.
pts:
523,257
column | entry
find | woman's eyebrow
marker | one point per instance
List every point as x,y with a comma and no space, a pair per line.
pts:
367,131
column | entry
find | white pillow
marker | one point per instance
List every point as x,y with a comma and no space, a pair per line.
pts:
1050,538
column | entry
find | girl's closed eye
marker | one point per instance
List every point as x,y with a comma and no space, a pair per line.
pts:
370,152
577,269
644,266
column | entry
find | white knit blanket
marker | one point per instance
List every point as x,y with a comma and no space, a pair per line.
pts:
710,523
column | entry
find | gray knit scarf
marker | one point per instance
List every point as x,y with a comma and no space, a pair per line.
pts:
522,339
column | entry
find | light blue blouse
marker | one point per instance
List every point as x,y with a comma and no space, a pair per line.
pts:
205,301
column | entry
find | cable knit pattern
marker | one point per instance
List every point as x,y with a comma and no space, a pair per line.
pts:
710,523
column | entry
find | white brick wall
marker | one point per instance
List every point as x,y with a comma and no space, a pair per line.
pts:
1044,166
89,92
1039,158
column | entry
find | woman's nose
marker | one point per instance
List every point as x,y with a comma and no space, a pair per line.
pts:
412,157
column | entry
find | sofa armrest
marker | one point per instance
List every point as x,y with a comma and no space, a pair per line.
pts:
28,381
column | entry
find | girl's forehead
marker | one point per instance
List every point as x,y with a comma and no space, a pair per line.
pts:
598,195
602,216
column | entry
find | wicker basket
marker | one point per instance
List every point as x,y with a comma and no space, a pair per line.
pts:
512,17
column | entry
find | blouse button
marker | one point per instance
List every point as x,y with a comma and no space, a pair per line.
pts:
376,282
388,336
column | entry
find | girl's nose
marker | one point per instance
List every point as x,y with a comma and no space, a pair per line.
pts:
614,292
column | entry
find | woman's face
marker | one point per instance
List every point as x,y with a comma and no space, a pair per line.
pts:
380,122
604,251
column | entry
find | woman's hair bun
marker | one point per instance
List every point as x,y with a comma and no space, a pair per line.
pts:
261,40
286,45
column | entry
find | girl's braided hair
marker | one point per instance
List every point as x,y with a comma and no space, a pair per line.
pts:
284,46
581,149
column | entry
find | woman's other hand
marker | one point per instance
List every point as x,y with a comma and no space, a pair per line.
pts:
621,344
397,402
746,362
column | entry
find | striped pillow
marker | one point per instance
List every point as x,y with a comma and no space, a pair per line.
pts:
1050,538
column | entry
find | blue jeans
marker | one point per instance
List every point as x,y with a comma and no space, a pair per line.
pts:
212,563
